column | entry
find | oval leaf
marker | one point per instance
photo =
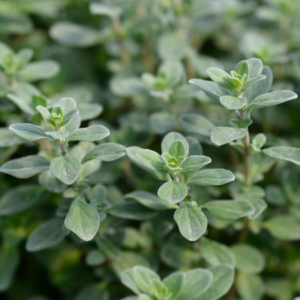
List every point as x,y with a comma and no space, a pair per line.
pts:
191,221
212,177
172,192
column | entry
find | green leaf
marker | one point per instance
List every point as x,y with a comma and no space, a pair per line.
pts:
228,209
196,123
21,103
68,117
92,133
250,286
131,211
151,160
89,111
195,283
223,277
95,258
259,140
83,219
8,138
174,283
149,200
252,81
38,100
233,102
212,177
256,67
283,227
131,153
29,132
51,183
194,163
195,147
162,122
223,135
101,9
74,35
211,89
243,68
39,70
9,260
221,78
172,47
275,196
259,87
178,149
191,221
170,138
172,192
106,152
19,199
258,204
142,277
66,169
248,258
46,115
128,280
286,153
273,98
46,235
26,166
216,253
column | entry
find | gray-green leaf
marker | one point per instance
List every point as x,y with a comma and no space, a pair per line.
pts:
229,209
29,132
26,166
212,177
83,219
46,235
223,135
191,221
65,169
92,133
106,152
172,192
286,153
233,102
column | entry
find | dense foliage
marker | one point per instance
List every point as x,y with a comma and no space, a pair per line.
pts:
149,150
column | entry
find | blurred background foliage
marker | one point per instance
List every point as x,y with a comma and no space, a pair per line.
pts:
104,57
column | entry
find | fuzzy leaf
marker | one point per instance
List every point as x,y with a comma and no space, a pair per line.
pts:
191,221
172,192
224,135
212,177
83,219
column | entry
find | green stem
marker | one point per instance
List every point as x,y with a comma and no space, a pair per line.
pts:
247,152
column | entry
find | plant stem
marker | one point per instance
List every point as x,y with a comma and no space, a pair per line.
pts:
247,152
65,153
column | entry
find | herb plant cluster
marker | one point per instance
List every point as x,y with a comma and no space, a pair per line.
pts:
149,150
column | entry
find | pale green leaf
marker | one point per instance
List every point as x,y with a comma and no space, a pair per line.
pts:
233,102
250,286
286,153
194,163
92,133
223,277
149,200
228,209
66,169
172,192
51,183
131,211
223,135
212,177
29,132
196,123
106,152
191,221
26,166
46,235
248,258
83,219
19,199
